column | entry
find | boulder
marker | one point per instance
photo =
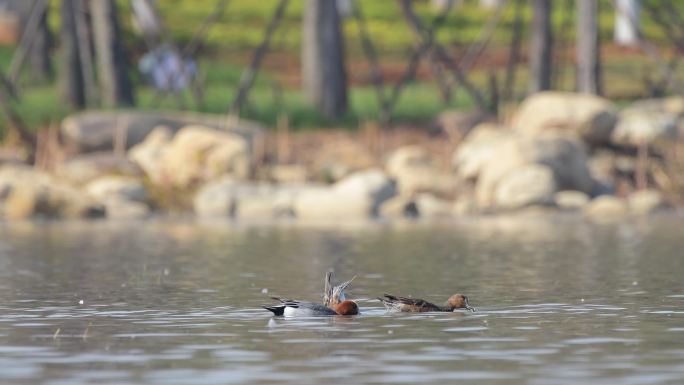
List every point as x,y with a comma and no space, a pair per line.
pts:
478,148
647,122
149,154
267,203
646,202
95,130
121,187
589,117
197,154
26,192
606,207
432,207
216,199
465,204
531,184
399,207
84,168
357,196
118,208
412,169
565,157
571,200
230,198
407,157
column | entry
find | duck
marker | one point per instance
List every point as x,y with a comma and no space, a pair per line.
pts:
415,305
334,295
295,308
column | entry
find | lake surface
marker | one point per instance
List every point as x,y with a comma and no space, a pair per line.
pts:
560,301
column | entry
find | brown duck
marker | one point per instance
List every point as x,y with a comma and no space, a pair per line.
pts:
414,305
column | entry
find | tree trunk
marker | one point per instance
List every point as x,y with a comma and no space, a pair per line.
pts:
588,48
323,72
626,30
71,74
115,86
39,56
541,47
40,64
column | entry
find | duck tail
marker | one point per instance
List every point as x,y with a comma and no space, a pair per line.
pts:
276,310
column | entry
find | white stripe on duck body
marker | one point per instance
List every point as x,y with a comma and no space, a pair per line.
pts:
294,308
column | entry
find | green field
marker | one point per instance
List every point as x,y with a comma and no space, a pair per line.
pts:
232,40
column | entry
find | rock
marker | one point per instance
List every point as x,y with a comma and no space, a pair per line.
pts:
606,207
357,196
399,207
646,202
149,154
412,169
639,124
95,130
426,180
477,149
571,200
432,207
268,203
124,188
118,208
407,157
199,154
590,117
531,184
27,192
84,168
564,156
465,204
602,167
288,173
231,198
216,199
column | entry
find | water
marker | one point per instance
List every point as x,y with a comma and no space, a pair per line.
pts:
560,301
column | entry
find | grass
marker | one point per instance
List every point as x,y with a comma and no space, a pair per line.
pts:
234,37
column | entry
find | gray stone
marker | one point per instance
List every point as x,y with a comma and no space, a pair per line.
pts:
565,156
26,192
85,168
531,184
198,154
149,154
95,130
571,200
432,207
124,188
412,169
606,208
589,117
646,202
478,148
637,126
357,196
216,199
118,208
399,207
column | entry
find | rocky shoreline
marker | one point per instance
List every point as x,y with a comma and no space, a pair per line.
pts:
560,152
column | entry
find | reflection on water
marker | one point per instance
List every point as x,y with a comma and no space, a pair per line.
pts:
560,301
